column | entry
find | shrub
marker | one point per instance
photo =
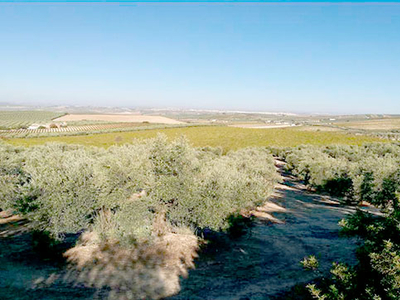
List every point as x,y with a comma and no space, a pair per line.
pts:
367,173
65,188
356,173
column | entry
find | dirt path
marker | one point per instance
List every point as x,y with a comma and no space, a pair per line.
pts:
265,261
22,268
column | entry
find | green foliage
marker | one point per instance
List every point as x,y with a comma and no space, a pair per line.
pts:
368,173
84,129
356,173
316,293
229,138
310,263
21,119
120,191
387,264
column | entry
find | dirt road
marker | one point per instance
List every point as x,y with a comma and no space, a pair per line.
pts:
265,261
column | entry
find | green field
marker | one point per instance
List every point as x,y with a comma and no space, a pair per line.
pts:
19,119
228,138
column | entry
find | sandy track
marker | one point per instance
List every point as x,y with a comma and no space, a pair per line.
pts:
118,118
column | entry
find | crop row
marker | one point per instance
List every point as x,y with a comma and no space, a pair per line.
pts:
228,138
82,128
19,119
351,172
47,176
127,197
368,174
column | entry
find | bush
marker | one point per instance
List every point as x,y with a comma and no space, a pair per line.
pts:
367,173
355,173
65,188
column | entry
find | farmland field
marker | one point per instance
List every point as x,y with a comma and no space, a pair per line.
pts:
13,124
19,119
260,126
228,138
200,152
81,129
376,124
131,118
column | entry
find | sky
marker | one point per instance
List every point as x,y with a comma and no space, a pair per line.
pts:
315,58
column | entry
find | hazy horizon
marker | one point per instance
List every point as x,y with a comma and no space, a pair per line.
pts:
328,59
38,106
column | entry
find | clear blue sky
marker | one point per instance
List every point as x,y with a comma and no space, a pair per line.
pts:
301,58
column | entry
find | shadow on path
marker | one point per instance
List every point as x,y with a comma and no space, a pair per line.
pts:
265,261
262,263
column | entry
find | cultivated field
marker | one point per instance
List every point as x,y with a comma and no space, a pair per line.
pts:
130,118
228,138
20,119
376,124
145,208
261,126
14,124
140,205
320,128
80,129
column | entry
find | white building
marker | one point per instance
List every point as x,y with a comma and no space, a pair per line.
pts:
34,126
